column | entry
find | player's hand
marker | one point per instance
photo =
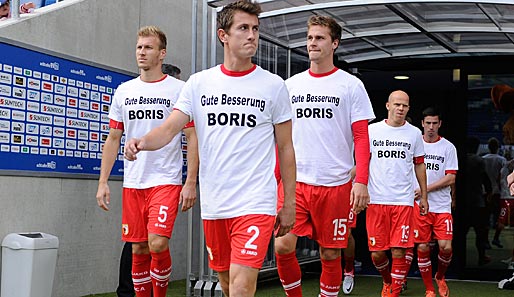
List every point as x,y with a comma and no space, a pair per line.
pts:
132,147
417,194
188,196
103,196
285,220
423,207
359,197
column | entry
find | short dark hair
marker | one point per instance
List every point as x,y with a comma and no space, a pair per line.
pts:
225,17
431,111
493,144
5,3
170,70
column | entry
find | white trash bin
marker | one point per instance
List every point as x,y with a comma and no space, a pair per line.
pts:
28,264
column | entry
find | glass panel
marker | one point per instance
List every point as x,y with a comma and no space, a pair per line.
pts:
491,116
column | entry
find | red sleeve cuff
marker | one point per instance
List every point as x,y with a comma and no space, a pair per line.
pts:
190,125
419,160
116,125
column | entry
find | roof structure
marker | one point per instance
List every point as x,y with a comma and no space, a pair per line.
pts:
374,29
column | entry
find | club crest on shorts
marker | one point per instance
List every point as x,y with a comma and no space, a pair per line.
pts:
125,229
416,233
372,241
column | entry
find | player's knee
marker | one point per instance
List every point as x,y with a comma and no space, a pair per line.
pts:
446,249
158,244
423,247
330,254
140,248
283,246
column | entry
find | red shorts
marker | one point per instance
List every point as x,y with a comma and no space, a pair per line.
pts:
388,226
432,226
151,210
506,212
242,240
322,213
352,219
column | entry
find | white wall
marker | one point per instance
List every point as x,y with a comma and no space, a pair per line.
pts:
102,32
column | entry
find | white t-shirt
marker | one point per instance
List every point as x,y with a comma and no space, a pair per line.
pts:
142,106
440,157
234,120
324,109
391,166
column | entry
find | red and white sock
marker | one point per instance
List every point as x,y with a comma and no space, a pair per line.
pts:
425,268
141,275
397,275
382,265
444,260
290,274
160,272
331,277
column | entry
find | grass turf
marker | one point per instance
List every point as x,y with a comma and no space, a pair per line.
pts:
364,286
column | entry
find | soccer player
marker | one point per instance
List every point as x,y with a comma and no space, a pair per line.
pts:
396,154
441,168
240,111
331,110
152,188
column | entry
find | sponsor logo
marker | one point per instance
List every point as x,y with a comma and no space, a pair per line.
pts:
71,82
18,127
64,80
47,98
58,143
95,106
93,147
77,124
72,102
95,96
43,151
18,70
70,112
39,118
105,108
33,129
46,130
33,106
82,135
75,167
84,94
60,100
5,78
45,141
94,126
31,140
71,133
24,150
48,165
93,136
7,68
57,110
33,95
34,84
27,72
19,93
71,144
125,229
4,148
85,155
83,145
106,78
5,126
84,104
87,85
19,81
55,78
5,113
58,132
60,89
102,89
52,65
80,83
5,90
12,103
94,87
78,72
106,98
36,74
48,86
89,115
17,138
58,121
4,137
18,115
46,76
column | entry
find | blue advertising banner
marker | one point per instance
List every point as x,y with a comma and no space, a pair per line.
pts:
53,113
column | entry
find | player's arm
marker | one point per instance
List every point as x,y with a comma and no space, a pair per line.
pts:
510,182
188,194
359,196
158,136
109,156
286,156
447,180
421,176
